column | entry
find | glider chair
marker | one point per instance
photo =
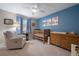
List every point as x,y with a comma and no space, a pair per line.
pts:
14,41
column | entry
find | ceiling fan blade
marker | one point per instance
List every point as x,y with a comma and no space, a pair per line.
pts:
42,11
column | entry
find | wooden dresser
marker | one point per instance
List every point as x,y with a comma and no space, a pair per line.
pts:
64,40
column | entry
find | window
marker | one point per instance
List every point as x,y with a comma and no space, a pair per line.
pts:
24,26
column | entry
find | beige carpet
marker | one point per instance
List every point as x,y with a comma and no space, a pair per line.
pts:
34,48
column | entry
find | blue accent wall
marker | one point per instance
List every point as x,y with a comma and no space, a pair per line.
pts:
68,20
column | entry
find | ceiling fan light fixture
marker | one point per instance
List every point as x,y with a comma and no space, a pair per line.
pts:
34,10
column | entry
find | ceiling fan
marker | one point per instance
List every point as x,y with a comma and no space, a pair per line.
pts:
35,8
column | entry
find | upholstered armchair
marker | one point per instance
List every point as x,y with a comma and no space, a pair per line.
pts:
14,41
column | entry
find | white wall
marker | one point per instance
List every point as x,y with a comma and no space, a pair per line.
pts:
3,27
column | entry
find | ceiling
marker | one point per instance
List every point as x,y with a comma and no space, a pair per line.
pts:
26,8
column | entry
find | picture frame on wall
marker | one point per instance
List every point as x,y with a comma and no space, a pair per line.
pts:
8,21
33,24
44,22
51,21
55,20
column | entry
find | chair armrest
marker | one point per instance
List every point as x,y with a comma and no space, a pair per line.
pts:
16,38
20,36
